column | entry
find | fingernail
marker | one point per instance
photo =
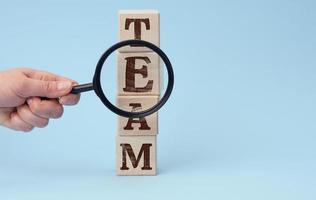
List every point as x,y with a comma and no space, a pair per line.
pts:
29,101
60,100
63,85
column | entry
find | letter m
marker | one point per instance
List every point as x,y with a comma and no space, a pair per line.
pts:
144,150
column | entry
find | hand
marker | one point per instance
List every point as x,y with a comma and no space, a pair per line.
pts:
21,108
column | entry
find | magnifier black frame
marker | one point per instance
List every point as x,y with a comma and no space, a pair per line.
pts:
96,85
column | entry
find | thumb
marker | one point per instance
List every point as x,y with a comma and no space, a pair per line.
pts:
50,89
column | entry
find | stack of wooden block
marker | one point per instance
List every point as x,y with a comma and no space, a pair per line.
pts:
138,89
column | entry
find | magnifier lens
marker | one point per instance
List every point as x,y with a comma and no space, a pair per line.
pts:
133,81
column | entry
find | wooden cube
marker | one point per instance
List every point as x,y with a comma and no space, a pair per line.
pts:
138,74
136,155
139,24
137,126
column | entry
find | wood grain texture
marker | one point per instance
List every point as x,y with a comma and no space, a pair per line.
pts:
138,74
139,24
137,126
138,83
136,155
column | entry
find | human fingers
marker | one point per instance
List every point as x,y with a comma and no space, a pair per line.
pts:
17,123
50,108
45,76
70,99
29,117
51,89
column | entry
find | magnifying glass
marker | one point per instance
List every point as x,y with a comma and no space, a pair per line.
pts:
97,87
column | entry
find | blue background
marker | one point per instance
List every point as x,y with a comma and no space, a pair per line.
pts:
240,123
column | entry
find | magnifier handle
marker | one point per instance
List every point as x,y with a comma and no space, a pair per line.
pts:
77,89
82,88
